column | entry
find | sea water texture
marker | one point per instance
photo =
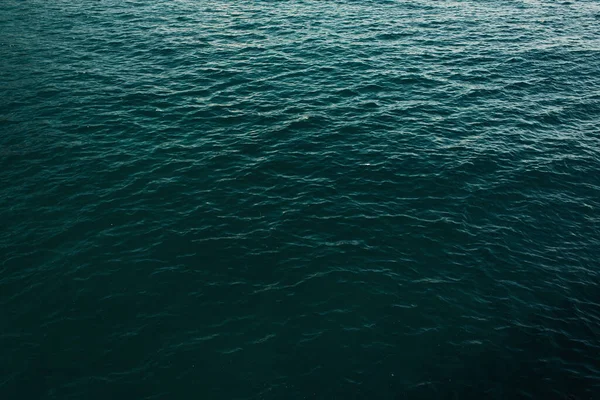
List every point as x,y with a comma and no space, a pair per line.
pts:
299,199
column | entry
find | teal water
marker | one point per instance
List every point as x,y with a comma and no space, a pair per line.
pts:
299,199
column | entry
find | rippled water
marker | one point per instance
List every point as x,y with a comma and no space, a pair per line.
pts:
299,199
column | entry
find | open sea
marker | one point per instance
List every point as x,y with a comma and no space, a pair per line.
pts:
299,199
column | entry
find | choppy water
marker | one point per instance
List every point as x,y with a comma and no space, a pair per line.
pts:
299,199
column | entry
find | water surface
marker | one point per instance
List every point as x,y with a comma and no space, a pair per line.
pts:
299,199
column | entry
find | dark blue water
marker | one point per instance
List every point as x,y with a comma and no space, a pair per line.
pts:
299,199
